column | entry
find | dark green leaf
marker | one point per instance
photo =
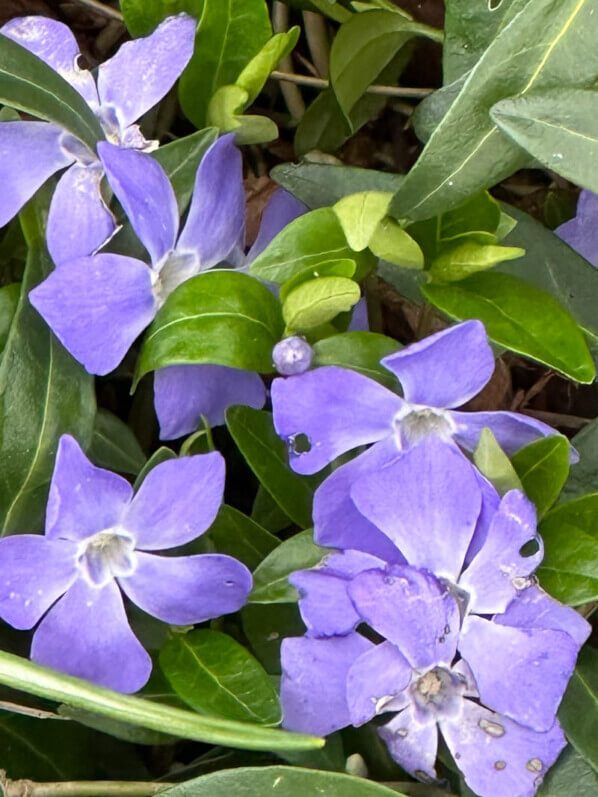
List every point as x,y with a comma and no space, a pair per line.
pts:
569,570
543,468
114,446
235,534
120,730
520,317
284,781
270,580
9,300
267,513
180,160
583,476
570,771
266,625
266,454
142,16
480,213
359,351
29,84
44,393
217,676
220,317
579,710
494,464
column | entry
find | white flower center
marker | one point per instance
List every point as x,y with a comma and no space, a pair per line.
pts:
173,270
415,422
106,555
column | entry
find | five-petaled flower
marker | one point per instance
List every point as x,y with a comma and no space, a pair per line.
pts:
471,646
99,539
328,411
128,85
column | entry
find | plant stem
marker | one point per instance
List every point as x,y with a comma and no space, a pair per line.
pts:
115,788
112,13
320,83
292,95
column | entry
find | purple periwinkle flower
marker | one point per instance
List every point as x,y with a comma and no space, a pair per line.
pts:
99,540
292,356
128,85
470,645
581,232
332,410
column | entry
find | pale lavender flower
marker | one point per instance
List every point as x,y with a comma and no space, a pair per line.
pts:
292,356
128,85
581,232
472,647
100,539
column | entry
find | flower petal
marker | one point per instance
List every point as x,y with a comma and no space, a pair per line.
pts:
581,232
332,500
427,503
519,672
83,499
183,393
143,189
87,634
144,70
446,369
35,572
490,504
53,42
533,608
282,209
30,152
78,196
504,760
178,500
314,678
216,220
512,430
97,307
412,609
412,745
336,409
375,682
183,590
493,576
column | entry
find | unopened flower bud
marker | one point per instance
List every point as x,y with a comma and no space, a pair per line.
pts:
292,356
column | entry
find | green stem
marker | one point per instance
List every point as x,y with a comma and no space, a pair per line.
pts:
115,788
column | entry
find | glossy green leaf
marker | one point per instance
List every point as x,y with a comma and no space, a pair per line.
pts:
180,160
360,214
329,268
282,781
266,625
267,456
462,259
583,476
579,710
543,467
268,513
520,317
318,301
28,677
114,446
220,317
255,74
480,213
235,534
230,33
359,351
216,675
494,464
570,770
467,151
392,243
9,301
143,16
225,111
28,84
569,570
44,393
558,127
307,241
270,580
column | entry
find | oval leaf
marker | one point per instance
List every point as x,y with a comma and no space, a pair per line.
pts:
317,301
270,580
114,446
579,709
543,467
360,351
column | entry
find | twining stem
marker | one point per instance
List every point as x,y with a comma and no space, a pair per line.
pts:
320,83
112,788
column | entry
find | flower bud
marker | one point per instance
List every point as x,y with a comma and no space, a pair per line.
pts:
292,356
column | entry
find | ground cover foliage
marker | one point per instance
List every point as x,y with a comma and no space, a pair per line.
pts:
298,435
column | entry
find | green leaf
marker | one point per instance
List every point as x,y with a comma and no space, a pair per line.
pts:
30,85
266,625
558,127
359,351
543,467
307,241
234,534
583,476
520,317
318,301
569,570
480,213
329,268
225,111
266,454
44,393
579,710
217,676
570,769
143,16
462,259
230,33
270,580
9,300
544,40
267,513
180,160
220,317
28,677
494,464
283,781
114,446
360,214
163,454
392,243
255,74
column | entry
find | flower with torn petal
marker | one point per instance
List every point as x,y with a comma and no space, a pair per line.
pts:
339,410
581,232
471,646
128,85
99,539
